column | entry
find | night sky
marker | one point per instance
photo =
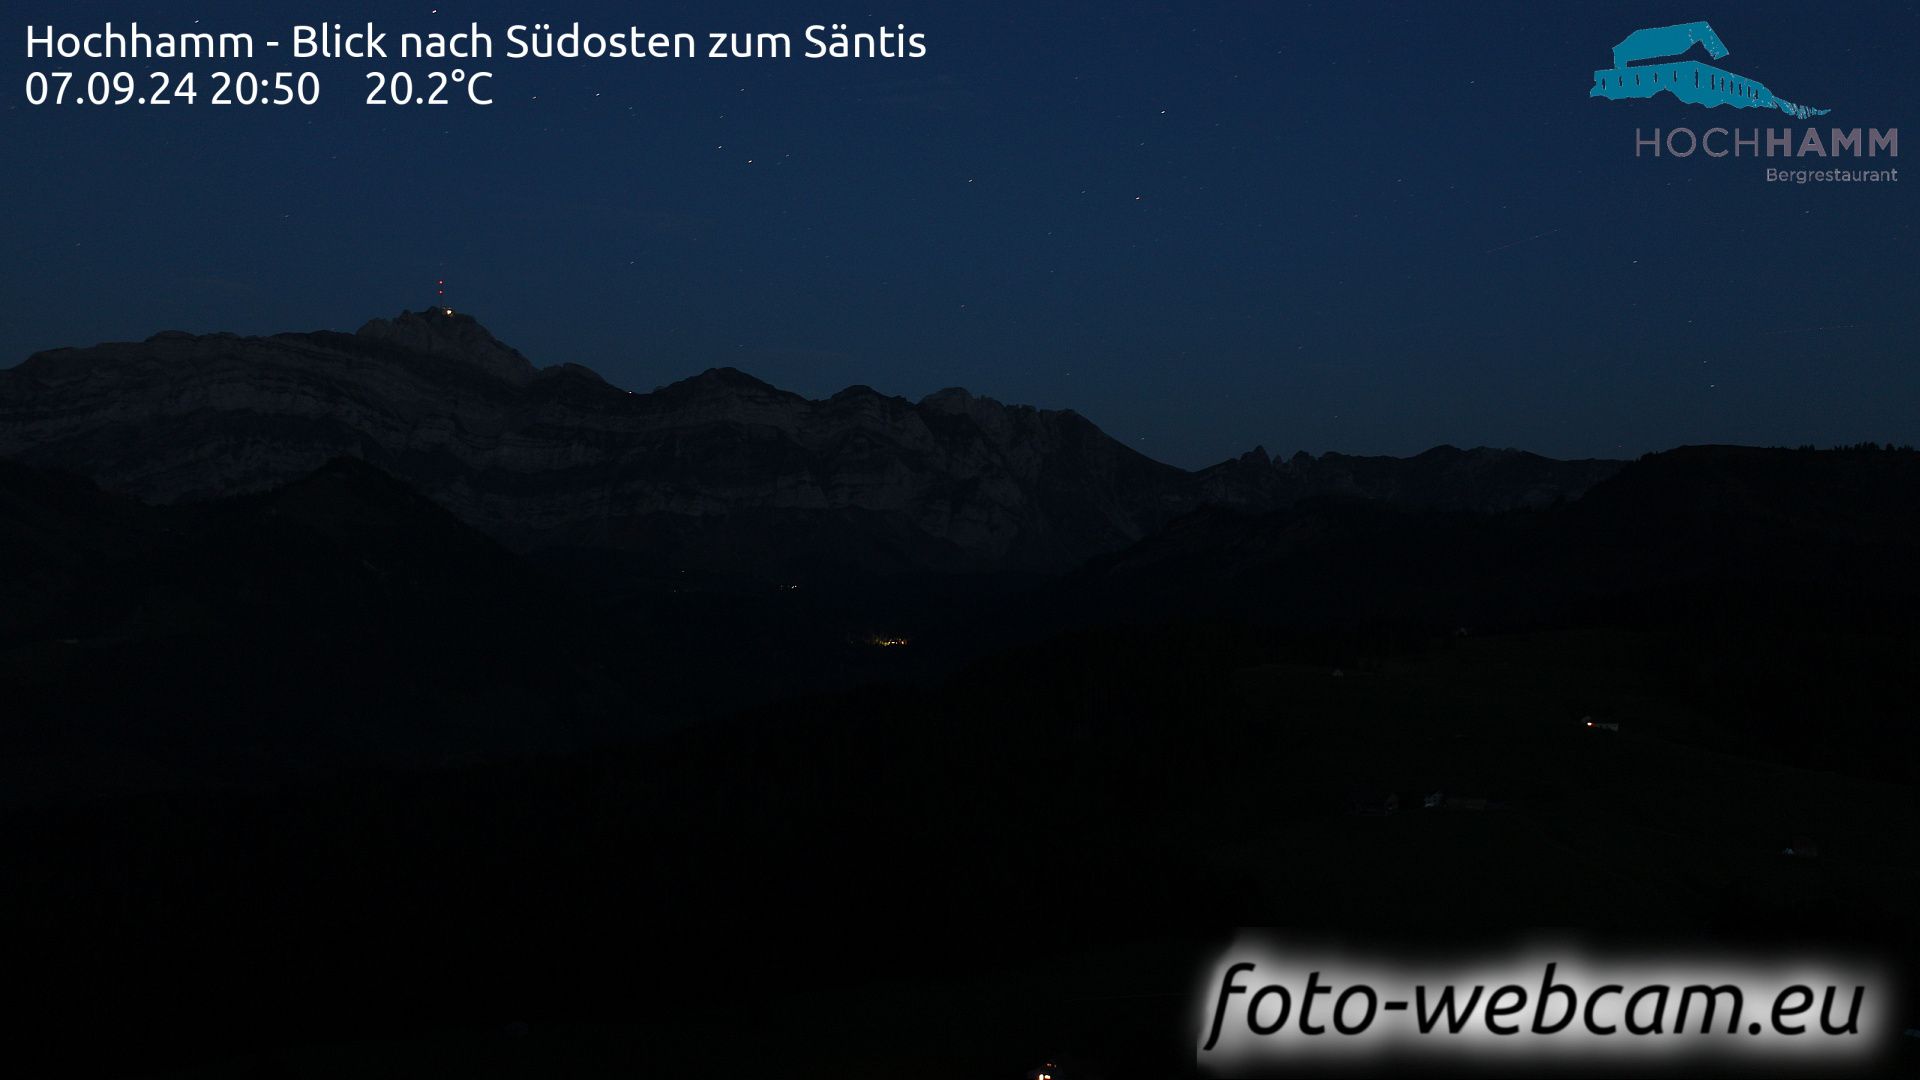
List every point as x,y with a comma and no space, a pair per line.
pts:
1355,226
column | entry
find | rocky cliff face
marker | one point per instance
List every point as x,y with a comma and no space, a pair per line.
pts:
720,471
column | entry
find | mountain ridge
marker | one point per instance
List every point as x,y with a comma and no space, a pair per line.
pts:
720,470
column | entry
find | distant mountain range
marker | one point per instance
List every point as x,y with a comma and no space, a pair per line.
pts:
1702,532
718,472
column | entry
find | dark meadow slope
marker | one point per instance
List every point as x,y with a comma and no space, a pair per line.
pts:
1040,848
344,620
1029,861
343,617
1777,590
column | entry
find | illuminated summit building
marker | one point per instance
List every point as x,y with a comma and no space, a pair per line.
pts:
1653,61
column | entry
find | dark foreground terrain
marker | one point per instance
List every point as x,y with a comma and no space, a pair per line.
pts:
324,780
1029,862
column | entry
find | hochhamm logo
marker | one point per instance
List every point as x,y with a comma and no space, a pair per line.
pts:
1656,61
1665,60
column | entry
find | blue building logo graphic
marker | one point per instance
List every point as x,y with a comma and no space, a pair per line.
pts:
1657,60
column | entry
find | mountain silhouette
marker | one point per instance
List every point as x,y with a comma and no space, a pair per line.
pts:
328,654
717,472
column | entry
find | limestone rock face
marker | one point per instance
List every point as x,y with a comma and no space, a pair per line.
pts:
444,332
718,471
